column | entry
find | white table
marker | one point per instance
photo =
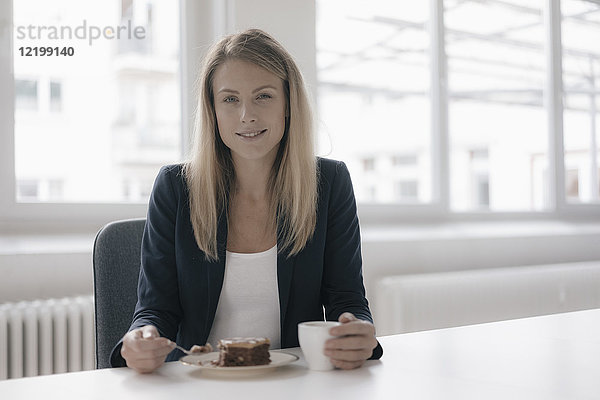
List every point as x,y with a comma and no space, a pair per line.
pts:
550,357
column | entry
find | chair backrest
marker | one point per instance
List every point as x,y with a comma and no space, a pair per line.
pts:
116,261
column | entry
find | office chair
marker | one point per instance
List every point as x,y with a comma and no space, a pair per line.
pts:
116,260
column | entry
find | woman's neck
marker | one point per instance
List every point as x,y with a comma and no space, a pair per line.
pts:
252,226
251,178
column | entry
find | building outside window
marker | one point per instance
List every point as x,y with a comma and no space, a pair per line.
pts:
112,111
496,67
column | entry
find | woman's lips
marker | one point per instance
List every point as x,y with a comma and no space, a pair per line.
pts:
251,134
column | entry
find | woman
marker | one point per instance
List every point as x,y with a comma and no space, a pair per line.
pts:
254,234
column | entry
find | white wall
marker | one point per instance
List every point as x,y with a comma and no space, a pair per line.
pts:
420,249
43,268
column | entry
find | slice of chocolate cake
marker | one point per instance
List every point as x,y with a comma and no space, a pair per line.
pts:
238,352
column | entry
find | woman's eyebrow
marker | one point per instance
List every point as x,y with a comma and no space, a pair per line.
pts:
228,91
264,87
258,89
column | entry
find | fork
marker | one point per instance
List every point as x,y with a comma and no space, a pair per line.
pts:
203,349
188,352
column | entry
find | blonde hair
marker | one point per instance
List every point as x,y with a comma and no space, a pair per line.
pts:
293,180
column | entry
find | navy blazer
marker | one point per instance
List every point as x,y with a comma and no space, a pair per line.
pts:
178,289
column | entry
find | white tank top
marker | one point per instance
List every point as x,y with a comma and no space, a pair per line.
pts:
249,301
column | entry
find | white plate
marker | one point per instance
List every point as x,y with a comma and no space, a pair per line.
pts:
204,362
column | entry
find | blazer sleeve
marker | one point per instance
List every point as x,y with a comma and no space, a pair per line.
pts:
158,293
342,289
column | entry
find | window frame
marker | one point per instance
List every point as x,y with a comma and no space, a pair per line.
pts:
197,29
439,209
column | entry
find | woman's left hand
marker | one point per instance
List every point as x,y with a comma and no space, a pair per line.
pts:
354,345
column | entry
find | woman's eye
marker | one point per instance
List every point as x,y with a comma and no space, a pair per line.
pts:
229,99
264,96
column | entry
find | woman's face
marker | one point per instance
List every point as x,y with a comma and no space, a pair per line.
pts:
250,106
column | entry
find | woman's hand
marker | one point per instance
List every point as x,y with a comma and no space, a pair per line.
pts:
355,345
144,350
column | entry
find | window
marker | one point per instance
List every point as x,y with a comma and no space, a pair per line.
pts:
496,81
581,81
376,96
27,189
55,96
373,73
407,190
405,159
26,94
112,110
55,189
403,99
482,190
368,164
479,175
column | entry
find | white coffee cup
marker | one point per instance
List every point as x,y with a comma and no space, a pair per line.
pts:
312,337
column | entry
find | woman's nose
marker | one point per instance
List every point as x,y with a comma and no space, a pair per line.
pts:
248,114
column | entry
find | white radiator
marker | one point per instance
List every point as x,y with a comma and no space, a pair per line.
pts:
46,336
409,303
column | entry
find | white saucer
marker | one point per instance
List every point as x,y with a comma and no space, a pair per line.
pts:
204,362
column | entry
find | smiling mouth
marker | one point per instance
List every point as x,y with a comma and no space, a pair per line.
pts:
250,134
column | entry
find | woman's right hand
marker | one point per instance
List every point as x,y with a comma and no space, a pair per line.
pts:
144,350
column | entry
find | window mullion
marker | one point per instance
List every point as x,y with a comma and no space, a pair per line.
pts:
554,106
196,34
439,108
7,106
593,182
